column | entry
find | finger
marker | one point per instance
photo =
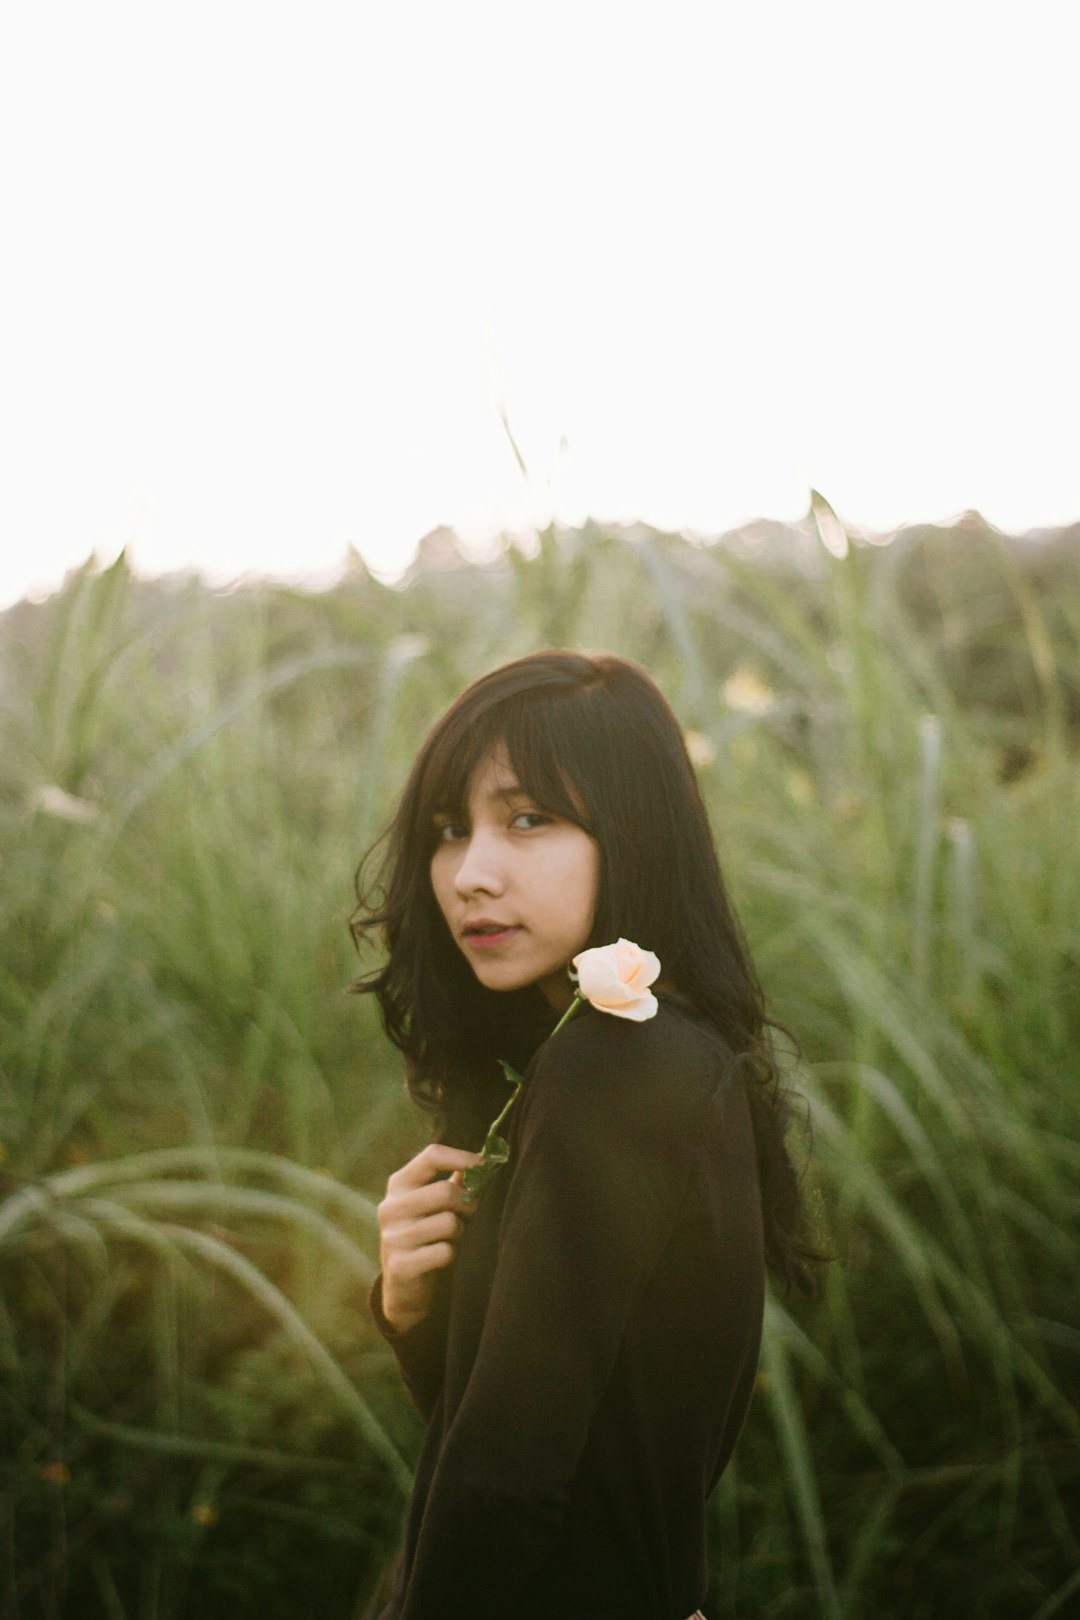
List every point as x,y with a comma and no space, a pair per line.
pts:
432,1231
432,1161
444,1226
406,1204
414,1263
462,1203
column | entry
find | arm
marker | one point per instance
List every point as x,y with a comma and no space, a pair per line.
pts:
420,1350
420,1221
607,1133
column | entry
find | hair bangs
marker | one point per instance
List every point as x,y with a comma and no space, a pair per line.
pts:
446,768
539,745
535,737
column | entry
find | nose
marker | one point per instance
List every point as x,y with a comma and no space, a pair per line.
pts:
479,871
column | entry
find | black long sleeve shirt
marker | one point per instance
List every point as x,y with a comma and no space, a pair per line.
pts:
589,1356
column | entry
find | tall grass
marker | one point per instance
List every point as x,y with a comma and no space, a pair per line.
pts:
197,1122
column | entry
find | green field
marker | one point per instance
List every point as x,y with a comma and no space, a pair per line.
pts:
197,1120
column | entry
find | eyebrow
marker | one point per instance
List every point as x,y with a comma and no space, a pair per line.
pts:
509,790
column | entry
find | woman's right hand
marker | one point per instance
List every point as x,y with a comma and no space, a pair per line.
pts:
421,1220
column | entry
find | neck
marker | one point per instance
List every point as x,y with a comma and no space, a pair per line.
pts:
557,991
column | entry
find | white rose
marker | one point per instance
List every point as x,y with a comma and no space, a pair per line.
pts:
616,978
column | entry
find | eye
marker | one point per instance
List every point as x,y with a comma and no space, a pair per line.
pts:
533,818
448,832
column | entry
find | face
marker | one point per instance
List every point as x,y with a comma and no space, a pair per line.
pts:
516,885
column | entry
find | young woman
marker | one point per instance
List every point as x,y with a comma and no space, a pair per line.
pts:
582,1338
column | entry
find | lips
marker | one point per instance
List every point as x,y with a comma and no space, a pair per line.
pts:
487,931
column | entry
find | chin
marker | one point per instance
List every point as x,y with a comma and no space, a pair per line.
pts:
492,979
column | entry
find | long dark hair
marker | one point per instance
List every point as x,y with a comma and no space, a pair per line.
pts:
591,739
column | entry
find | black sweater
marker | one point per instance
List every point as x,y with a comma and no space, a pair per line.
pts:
589,1356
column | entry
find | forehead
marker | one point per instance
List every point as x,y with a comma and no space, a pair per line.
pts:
493,776
522,758
469,772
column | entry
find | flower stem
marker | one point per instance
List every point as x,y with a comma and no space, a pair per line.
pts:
495,1151
493,1129
578,1001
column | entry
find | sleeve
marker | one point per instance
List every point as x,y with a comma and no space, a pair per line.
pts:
602,1160
420,1351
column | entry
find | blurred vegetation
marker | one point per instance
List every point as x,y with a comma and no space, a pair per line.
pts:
197,1122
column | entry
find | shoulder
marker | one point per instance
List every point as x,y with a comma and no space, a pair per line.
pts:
664,1070
674,1034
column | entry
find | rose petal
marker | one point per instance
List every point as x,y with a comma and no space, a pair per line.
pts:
638,1011
615,979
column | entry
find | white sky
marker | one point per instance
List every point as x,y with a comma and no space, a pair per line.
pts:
267,270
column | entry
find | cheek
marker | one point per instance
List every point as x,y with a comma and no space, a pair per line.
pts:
442,881
581,879
593,882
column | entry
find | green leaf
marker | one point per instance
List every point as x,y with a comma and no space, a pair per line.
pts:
496,1152
512,1076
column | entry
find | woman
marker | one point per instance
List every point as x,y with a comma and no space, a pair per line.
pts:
582,1339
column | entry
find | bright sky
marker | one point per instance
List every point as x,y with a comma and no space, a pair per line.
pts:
269,269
